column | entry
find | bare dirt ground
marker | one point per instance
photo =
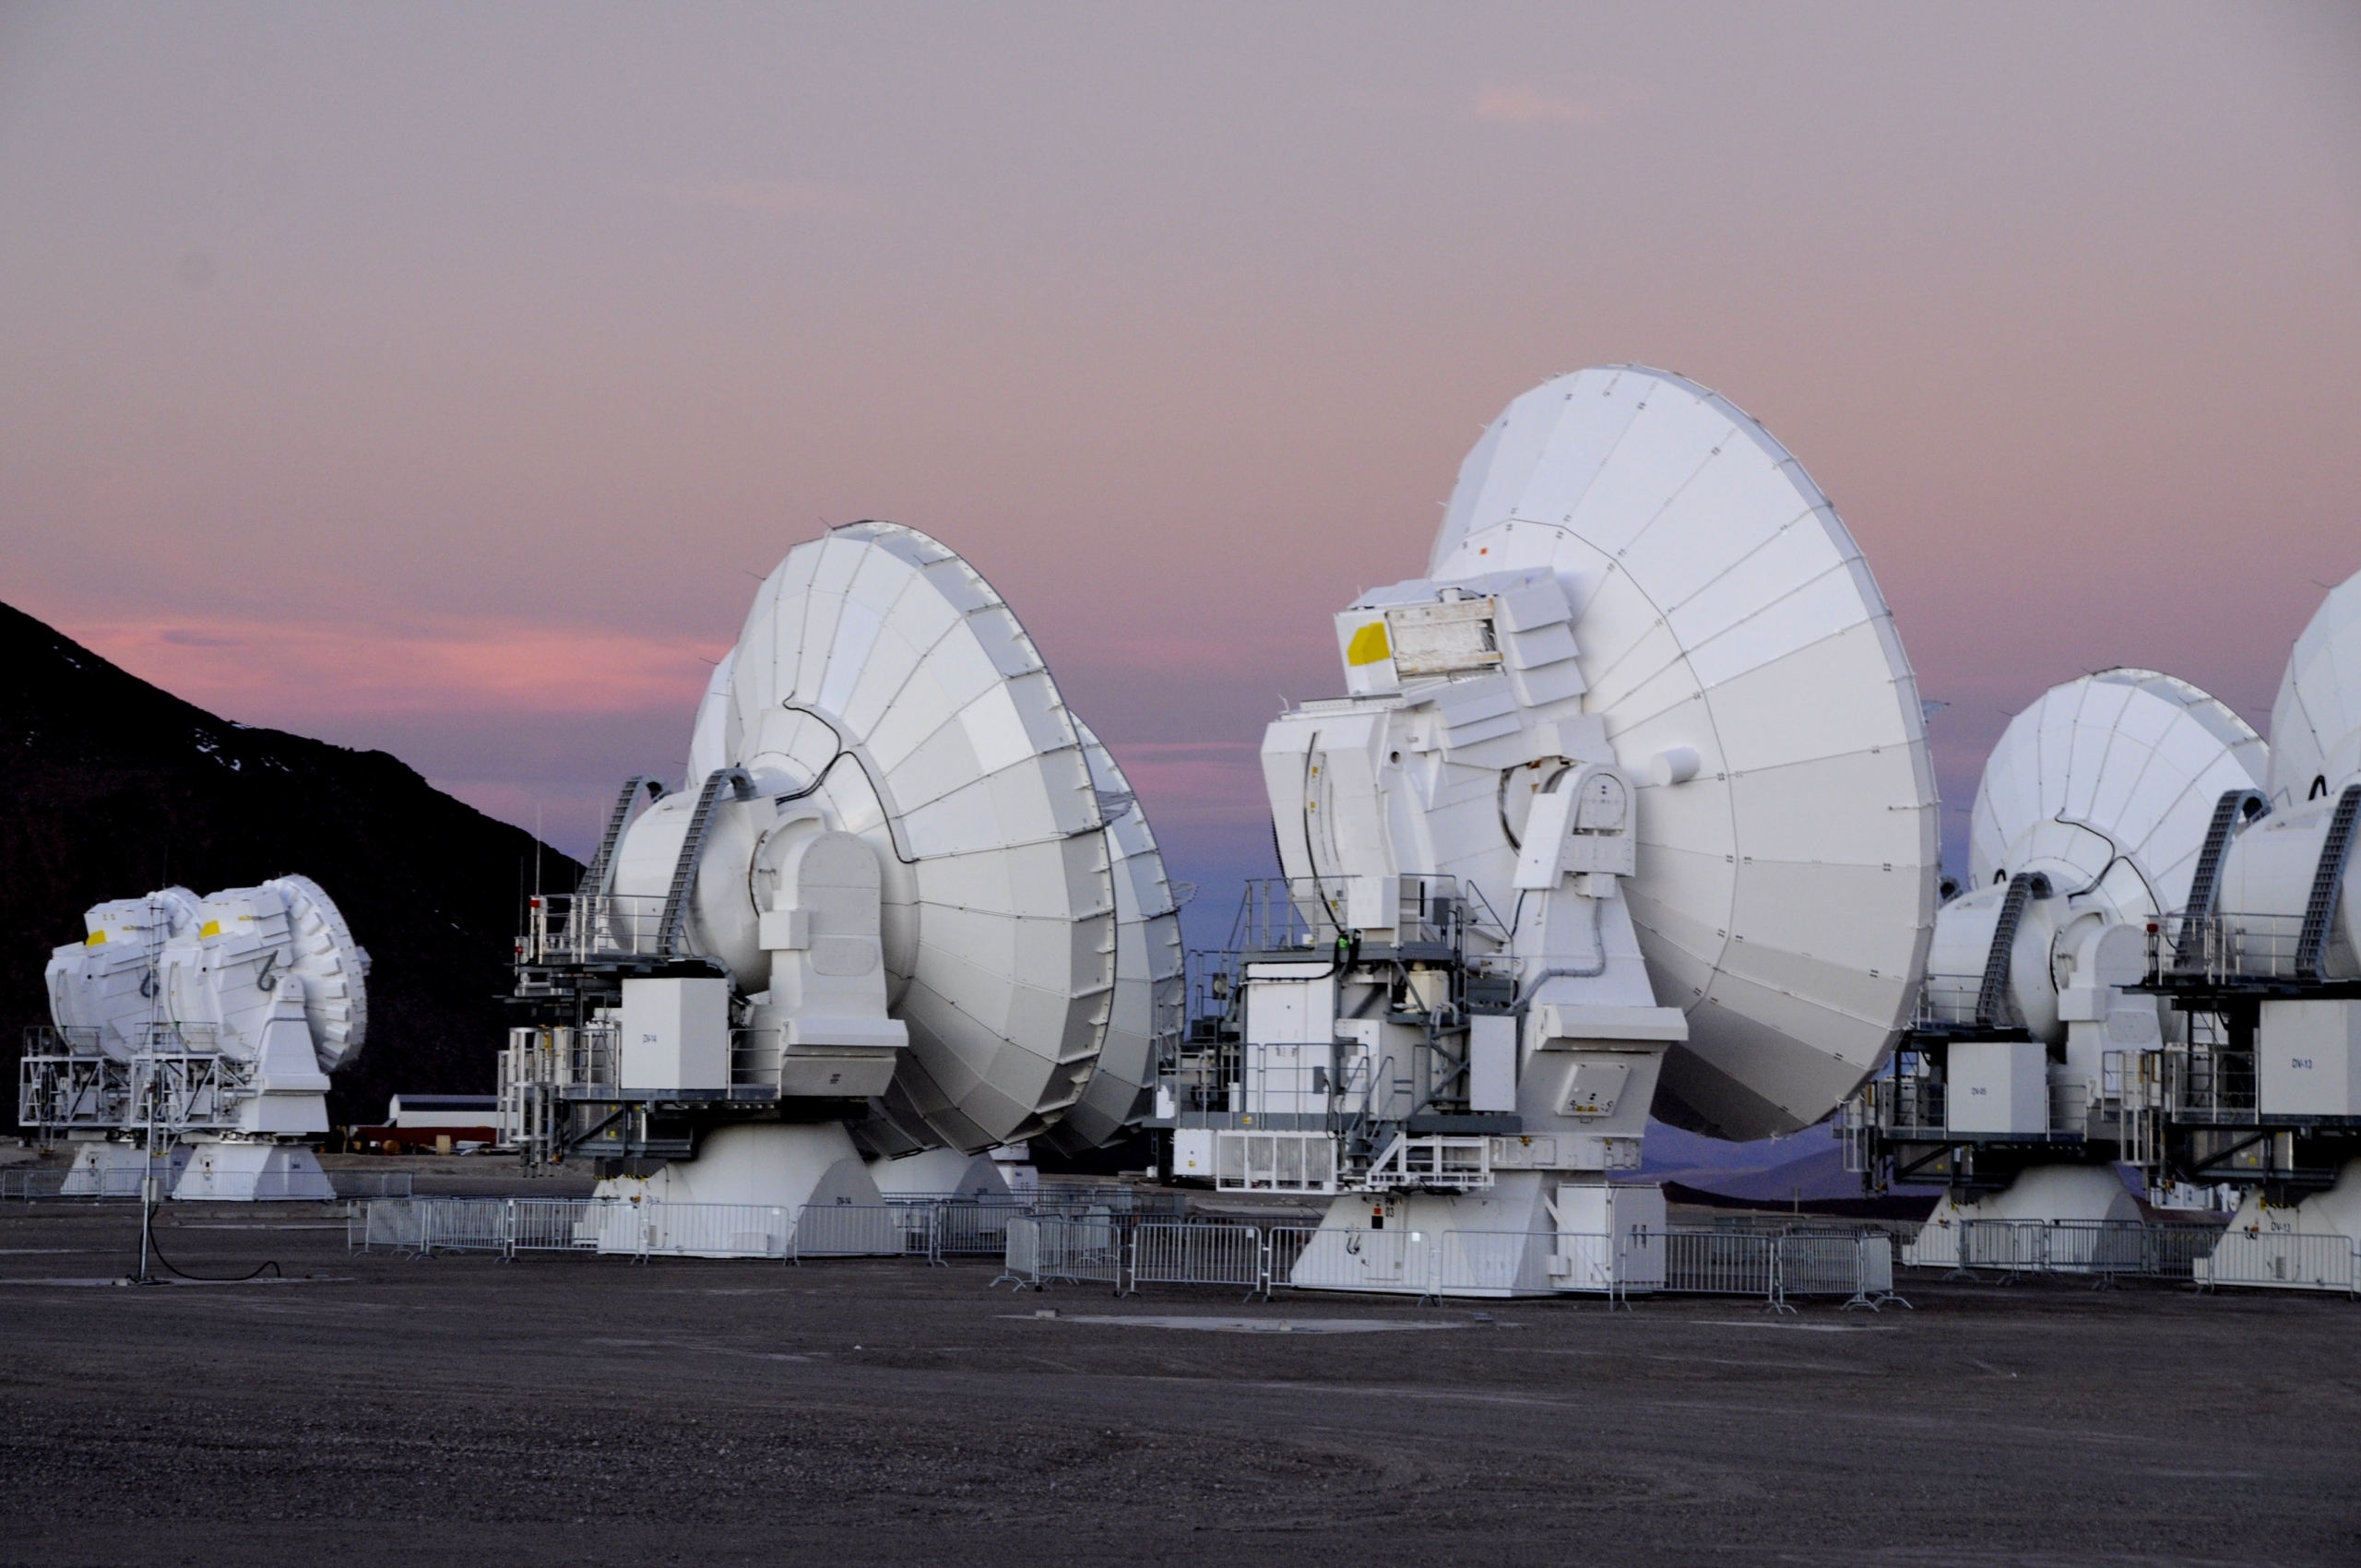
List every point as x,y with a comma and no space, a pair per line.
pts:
579,1409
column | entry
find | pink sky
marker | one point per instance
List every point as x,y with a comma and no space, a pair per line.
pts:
436,378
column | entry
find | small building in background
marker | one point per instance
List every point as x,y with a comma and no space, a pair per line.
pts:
437,1123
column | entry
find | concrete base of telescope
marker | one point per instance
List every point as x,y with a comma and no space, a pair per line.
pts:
112,1169
1532,1233
2044,1192
940,1173
252,1173
2309,1246
757,1192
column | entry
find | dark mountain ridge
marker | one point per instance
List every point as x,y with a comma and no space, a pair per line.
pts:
115,787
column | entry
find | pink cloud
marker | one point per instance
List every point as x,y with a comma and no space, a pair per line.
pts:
288,670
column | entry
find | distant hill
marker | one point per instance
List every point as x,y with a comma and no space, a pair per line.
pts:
114,788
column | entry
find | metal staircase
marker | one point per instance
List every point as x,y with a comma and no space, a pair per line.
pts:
601,869
684,870
2328,887
2205,886
1993,998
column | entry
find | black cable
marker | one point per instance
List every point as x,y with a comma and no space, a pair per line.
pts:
276,1273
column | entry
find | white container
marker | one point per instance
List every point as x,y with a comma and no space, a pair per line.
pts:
675,1034
2304,1053
1999,1086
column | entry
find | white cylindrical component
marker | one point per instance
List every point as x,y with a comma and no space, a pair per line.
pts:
2316,722
2267,878
173,972
1674,764
721,920
1962,946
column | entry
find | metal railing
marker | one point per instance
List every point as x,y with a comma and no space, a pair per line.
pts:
2211,1078
1722,1263
1950,1002
373,1183
929,1230
1432,1265
1178,1252
581,928
2280,1260
2224,947
2099,1250
1047,1247
110,1184
173,1077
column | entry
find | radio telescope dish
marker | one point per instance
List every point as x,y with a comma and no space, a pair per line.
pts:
103,988
2103,789
1148,994
331,965
1751,683
2316,722
708,752
880,676
2111,781
248,944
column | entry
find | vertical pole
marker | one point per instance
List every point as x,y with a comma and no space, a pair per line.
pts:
148,1180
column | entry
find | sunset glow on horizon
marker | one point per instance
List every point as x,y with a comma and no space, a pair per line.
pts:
440,380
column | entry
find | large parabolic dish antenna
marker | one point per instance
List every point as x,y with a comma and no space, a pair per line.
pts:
881,675
2108,783
2316,722
2103,789
1751,681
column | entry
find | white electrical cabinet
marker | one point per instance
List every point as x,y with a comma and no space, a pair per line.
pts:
1998,1086
1492,1063
675,1034
2304,1053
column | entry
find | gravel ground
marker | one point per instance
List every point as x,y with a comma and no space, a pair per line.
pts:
566,1409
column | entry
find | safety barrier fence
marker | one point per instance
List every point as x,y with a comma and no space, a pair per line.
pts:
121,1184
2281,1259
2099,1250
1722,1263
931,1230
1045,1249
28,1186
371,1183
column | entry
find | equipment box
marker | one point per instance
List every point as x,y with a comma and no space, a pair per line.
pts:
1999,1086
675,1034
2304,1053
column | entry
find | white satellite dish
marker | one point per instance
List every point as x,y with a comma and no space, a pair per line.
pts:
2109,781
2316,722
1148,1000
2090,823
102,991
2103,789
881,686
217,1019
1751,684
1148,988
